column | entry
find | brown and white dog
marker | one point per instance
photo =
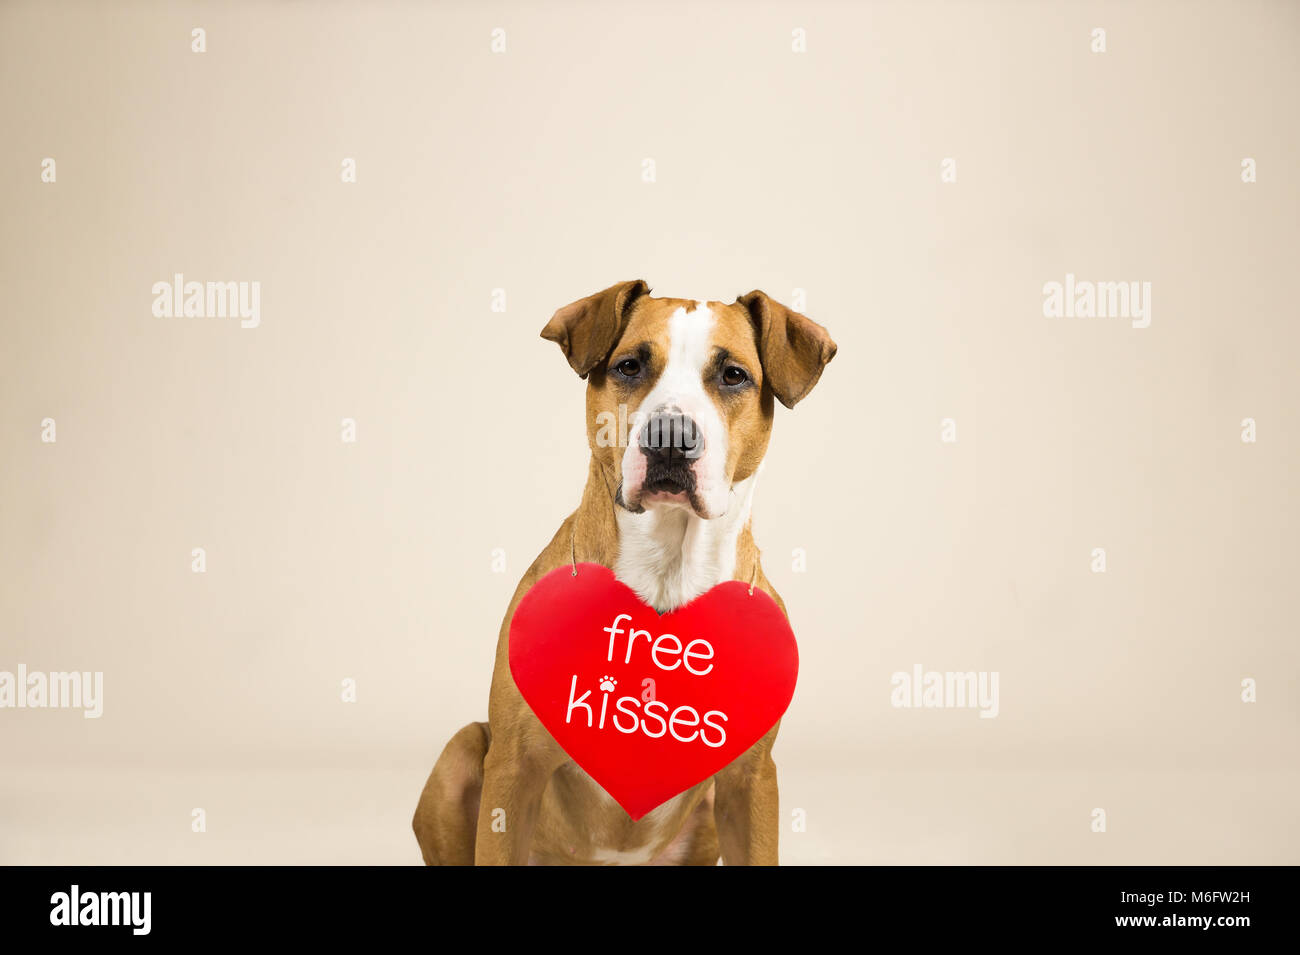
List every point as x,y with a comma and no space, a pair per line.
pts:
669,514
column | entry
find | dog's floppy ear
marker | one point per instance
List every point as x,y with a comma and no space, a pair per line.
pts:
792,347
589,328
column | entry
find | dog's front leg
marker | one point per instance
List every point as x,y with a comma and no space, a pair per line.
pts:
513,782
746,810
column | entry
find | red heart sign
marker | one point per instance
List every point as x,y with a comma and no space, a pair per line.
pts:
650,705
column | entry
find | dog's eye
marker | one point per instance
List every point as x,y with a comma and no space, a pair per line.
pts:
731,375
628,368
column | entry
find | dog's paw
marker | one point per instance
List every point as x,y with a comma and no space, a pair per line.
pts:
608,683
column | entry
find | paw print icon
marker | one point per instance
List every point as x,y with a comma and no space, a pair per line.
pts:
608,683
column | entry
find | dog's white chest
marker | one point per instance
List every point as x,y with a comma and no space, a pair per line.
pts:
669,558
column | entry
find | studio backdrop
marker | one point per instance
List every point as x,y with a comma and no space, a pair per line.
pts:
256,541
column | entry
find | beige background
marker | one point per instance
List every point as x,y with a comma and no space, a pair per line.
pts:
775,170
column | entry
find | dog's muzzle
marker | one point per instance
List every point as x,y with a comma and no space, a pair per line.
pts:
671,443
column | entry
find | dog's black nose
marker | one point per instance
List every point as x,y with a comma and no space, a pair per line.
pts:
671,438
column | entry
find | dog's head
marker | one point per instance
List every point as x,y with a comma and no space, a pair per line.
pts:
679,394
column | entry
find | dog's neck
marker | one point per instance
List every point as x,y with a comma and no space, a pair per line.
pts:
670,555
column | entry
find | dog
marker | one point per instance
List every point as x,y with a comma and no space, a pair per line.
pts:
669,513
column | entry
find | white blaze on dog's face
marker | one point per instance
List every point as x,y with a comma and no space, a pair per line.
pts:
676,453
680,393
